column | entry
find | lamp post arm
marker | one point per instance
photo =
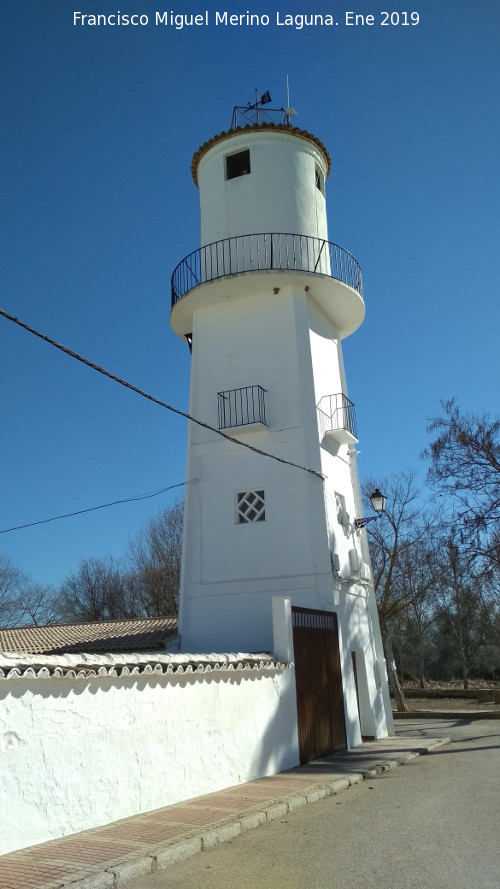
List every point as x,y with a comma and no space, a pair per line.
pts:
360,523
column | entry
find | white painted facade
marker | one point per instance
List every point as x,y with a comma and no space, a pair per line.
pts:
278,328
280,189
79,750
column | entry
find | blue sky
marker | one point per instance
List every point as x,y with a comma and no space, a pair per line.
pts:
98,206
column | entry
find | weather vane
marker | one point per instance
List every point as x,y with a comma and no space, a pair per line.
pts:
255,113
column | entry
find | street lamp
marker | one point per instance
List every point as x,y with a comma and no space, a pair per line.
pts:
378,501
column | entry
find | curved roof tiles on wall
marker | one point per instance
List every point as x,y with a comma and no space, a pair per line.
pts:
258,127
90,666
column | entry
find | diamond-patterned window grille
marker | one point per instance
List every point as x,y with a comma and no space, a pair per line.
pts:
250,507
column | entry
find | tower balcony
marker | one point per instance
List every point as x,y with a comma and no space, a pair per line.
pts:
264,263
243,408
336,421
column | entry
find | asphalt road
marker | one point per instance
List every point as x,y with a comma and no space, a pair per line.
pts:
431,824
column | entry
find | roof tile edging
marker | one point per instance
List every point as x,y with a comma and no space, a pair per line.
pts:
121,666
237,131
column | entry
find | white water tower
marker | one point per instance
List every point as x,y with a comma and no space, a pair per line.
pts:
264,304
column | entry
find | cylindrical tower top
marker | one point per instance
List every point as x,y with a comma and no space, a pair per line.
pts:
262,178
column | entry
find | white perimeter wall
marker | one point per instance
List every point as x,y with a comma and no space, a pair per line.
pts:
76,754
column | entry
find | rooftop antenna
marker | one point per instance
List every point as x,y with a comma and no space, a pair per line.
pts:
289,111
254,113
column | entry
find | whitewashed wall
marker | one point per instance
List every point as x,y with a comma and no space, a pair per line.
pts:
79,753
282,165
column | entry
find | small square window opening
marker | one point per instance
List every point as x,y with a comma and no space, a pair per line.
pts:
238,164
250,507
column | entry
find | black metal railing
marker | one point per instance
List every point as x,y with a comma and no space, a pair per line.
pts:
336,412
261,252
240,407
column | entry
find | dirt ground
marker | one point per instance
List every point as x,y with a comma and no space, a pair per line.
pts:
457,684
449,704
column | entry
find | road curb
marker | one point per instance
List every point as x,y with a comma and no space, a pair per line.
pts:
441,742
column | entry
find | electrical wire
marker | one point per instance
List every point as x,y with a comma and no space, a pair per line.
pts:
141,392
69,515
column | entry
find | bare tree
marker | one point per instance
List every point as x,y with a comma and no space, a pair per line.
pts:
465,466
40,605
461,609
12,585
147,584
404,562
418,620
21,600
489,588
97,591
155,559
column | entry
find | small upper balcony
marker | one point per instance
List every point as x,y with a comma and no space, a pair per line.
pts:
336,421
243,408
269,261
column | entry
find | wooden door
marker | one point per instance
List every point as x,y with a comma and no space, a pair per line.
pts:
320,701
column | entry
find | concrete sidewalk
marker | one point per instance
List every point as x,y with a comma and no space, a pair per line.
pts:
106,857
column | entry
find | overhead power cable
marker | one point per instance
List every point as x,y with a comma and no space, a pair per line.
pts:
69,515
141,392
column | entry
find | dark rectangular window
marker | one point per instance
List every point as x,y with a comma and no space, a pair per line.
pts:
319,180
238,164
